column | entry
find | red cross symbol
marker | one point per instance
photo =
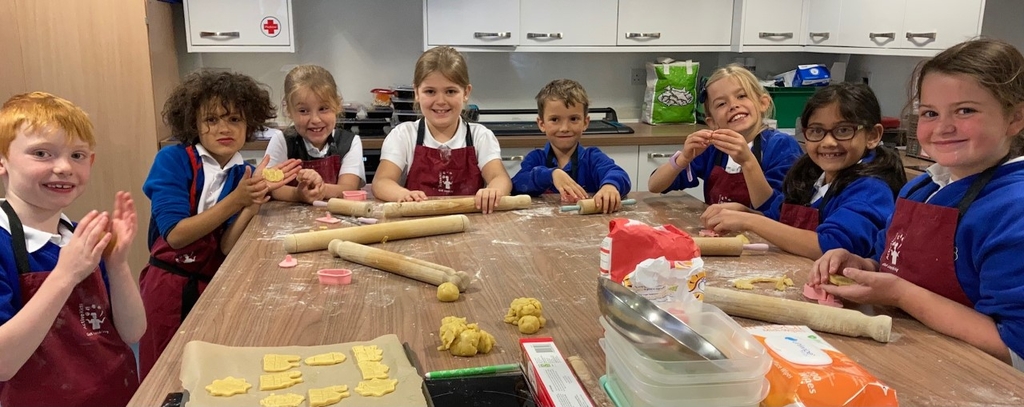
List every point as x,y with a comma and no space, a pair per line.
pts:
270,26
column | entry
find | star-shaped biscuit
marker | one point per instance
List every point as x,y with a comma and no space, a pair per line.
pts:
228,386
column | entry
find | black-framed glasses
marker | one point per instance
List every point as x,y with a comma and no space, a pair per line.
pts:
840,133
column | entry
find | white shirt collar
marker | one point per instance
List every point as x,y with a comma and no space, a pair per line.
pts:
35,239
208,158
318,152
942,177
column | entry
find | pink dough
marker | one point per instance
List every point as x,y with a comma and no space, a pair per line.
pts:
707,233
288,262
328,218
821,296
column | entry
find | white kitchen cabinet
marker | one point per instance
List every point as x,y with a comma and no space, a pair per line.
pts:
625,157
772,22
239,26
471,23
544,23
823,19
939,24
871,23
512,158
652,157
675,23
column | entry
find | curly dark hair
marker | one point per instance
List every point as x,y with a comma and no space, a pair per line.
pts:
234,91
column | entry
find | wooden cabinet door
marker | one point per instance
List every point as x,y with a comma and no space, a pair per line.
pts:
239,26
675,22
472,23
545,22
775,22
823,20
939,24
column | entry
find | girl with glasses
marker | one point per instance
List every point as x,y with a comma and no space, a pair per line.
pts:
839,194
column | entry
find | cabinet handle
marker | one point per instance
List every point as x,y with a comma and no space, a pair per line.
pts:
891,36
930,36
223,34
505,34
822,35
774,35
659,155
512,158
643,35
556,36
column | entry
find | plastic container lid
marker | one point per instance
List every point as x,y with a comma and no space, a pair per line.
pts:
747,357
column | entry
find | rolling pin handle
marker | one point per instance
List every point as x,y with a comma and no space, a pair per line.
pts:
629,201
756,246
570,208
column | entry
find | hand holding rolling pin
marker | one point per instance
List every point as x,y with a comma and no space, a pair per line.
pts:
608,199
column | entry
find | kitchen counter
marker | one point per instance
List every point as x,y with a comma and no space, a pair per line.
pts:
537,252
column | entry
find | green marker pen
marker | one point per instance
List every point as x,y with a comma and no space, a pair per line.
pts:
472,371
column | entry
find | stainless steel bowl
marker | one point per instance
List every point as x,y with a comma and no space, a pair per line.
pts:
653,331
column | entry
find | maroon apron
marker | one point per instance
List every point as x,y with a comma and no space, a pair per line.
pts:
722,186
173,280
920,244
328,168
804,217
444,171
82,361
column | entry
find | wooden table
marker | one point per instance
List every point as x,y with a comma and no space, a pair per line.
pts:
539,253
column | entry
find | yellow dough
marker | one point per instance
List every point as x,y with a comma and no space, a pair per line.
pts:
369,353
276,381
447,292
528,311
376,387
836,279
228,386
325,359
748,283
327,395
279,363
273,174
530,324
373,370
282,400
462,339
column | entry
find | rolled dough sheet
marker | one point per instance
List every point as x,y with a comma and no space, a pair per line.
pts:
202,362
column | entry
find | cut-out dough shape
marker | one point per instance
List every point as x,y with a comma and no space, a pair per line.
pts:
369,353
288,262
282,400
839,280
328,395
373,370
822,297
327,218
279,363
376,388
273,174
228,386
748,283
277,381
325,359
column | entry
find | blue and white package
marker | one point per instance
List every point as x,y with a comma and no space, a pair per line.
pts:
805,75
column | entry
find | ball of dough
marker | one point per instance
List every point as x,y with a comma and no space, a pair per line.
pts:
529,324
447,292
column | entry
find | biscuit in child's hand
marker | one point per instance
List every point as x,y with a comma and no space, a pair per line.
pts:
273,174
836,279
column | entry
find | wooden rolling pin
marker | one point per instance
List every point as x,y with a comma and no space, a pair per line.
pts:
349,207
319,240
434,207
788,312
402,265
589,206
726,246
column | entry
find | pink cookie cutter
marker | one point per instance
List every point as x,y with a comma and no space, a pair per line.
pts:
335,276
354,195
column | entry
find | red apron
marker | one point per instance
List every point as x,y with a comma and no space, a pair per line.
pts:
804,217
722,186
82,361
173,280
444,171
328,168
920,244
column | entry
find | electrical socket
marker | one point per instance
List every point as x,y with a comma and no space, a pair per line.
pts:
638,76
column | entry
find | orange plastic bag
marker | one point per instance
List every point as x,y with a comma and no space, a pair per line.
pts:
629,242
802,376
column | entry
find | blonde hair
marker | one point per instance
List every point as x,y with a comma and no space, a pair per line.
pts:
317,80
568,91
748,82
444,60
39,111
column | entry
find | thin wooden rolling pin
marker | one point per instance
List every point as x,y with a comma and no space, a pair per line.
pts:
589,206
788,312
434,207
350,207
402,265
319,240
726,246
